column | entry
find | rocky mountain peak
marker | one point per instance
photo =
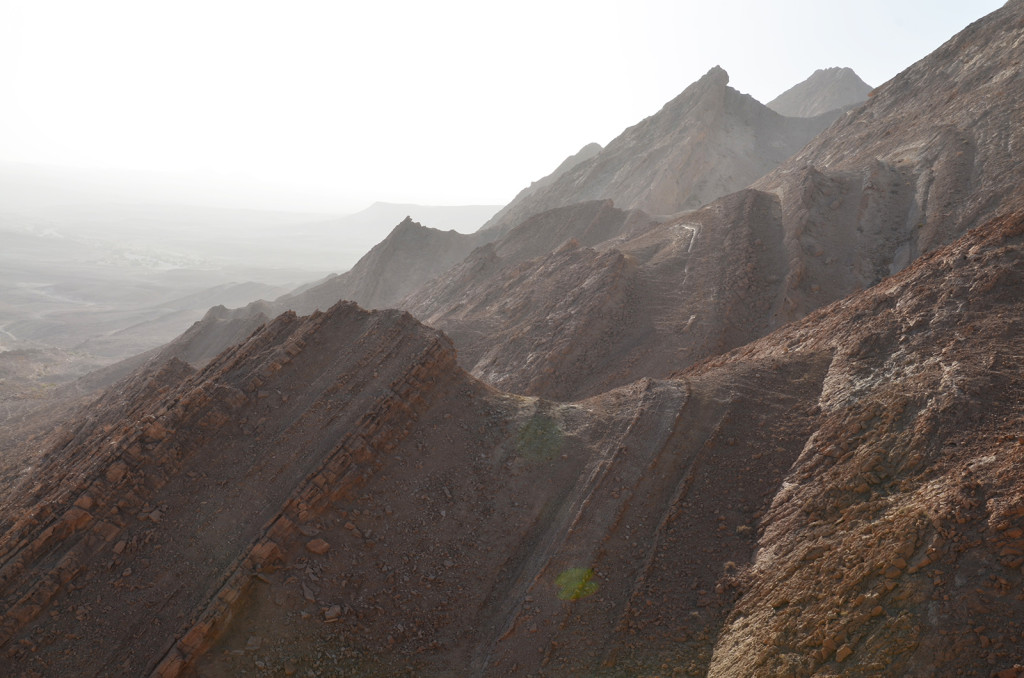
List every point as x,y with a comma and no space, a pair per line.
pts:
408,257
711,89
715,75
708,141
827,89
590,150
406,225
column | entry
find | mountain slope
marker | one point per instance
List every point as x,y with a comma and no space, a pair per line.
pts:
597,314
350,237
906,500
517,211
909,171
159,451
335,495
515,306
929,157
411,255
826,90
707,142
168,529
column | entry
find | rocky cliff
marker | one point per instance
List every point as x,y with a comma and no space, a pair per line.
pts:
894,546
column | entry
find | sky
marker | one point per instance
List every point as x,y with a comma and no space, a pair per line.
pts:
330,105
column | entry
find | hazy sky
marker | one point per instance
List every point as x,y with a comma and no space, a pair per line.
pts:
439,102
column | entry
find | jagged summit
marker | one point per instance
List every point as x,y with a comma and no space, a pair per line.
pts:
405,225
715,77
827,89
706,142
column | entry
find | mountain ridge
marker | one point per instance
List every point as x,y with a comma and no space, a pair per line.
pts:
743,461
883,185
706,142
781,434
827,89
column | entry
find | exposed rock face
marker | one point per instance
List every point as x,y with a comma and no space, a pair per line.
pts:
929,157
707,142
180,482
909,171
898,530
842,495
827,89
592,316
517,307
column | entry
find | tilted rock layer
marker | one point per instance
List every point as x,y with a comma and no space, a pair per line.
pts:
335,495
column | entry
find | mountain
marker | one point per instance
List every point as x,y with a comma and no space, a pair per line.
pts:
349,238
264,510
810,461
707,118
594,314
929,157
461,218
409,256
406,259
826,90
526,310
918,165
707,142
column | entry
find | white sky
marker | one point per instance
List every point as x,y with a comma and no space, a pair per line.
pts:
435,102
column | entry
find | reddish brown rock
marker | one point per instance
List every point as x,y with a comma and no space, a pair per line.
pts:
318,546
520,536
